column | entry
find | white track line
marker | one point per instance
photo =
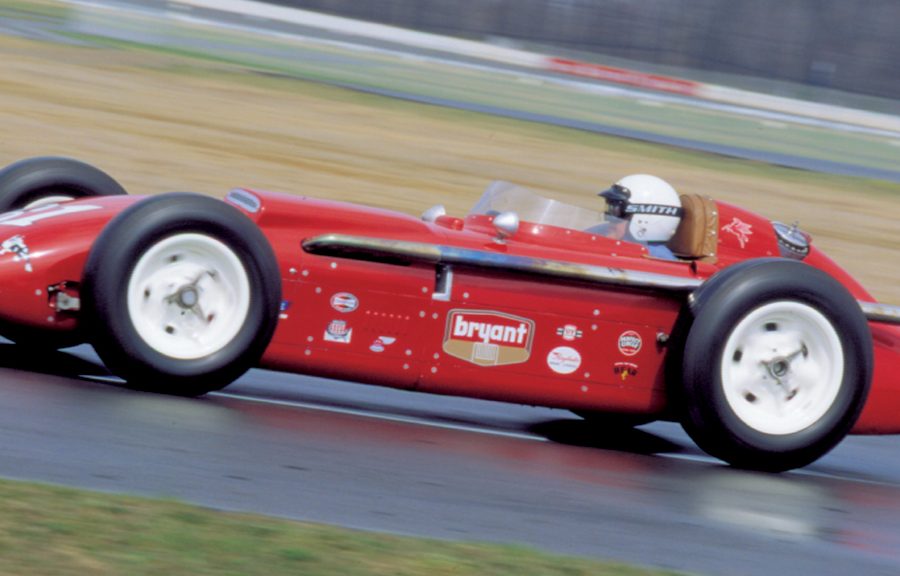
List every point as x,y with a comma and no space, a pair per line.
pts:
378,416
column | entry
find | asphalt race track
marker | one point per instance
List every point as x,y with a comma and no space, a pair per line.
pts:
408,463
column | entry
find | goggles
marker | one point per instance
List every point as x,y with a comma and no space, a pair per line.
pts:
617,205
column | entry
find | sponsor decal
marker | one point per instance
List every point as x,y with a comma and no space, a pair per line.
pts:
381,343
344,302
569,332
625,369
564,360
488,338
285,305
17,247
658,209
740,230
630,343
337,331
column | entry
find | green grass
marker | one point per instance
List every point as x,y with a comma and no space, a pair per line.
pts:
51,530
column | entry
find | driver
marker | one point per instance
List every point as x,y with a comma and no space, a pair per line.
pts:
644,209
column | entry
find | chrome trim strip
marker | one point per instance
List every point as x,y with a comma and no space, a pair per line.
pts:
884,313
342,244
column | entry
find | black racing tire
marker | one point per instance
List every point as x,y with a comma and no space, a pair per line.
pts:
181,294
28,182
776,365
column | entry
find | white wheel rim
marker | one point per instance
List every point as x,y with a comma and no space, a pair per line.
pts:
188,296
782,368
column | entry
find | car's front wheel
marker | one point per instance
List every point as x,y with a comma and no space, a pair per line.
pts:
776,366
182,293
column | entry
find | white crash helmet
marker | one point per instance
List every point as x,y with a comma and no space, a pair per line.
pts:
650,204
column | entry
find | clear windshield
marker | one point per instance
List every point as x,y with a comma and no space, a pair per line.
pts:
507,197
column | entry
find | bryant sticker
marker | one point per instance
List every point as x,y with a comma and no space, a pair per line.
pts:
488,338
630,343
564,360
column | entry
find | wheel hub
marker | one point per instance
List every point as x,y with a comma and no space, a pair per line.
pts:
782,368
188,296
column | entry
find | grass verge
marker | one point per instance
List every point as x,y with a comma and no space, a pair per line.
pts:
57,531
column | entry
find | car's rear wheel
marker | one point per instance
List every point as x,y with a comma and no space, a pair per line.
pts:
40,181
182,292
776,366
44,180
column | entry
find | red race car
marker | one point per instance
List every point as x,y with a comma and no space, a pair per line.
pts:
763,348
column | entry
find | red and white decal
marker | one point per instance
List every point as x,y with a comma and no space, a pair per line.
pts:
344,302
338,331
488,338
381,343
564,360
630,343
740,230
625,369
569,332
17,247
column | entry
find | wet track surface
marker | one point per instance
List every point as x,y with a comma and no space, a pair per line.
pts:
379,459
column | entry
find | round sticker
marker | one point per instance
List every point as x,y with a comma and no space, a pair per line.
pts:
630,343
564,360
344,302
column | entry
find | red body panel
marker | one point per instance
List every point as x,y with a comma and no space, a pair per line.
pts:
57,240
473,331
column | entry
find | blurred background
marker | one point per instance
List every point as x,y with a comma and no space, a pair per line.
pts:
788,47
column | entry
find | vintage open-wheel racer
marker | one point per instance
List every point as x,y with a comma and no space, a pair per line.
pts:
765,350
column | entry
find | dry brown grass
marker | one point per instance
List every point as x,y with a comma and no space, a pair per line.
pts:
161,123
